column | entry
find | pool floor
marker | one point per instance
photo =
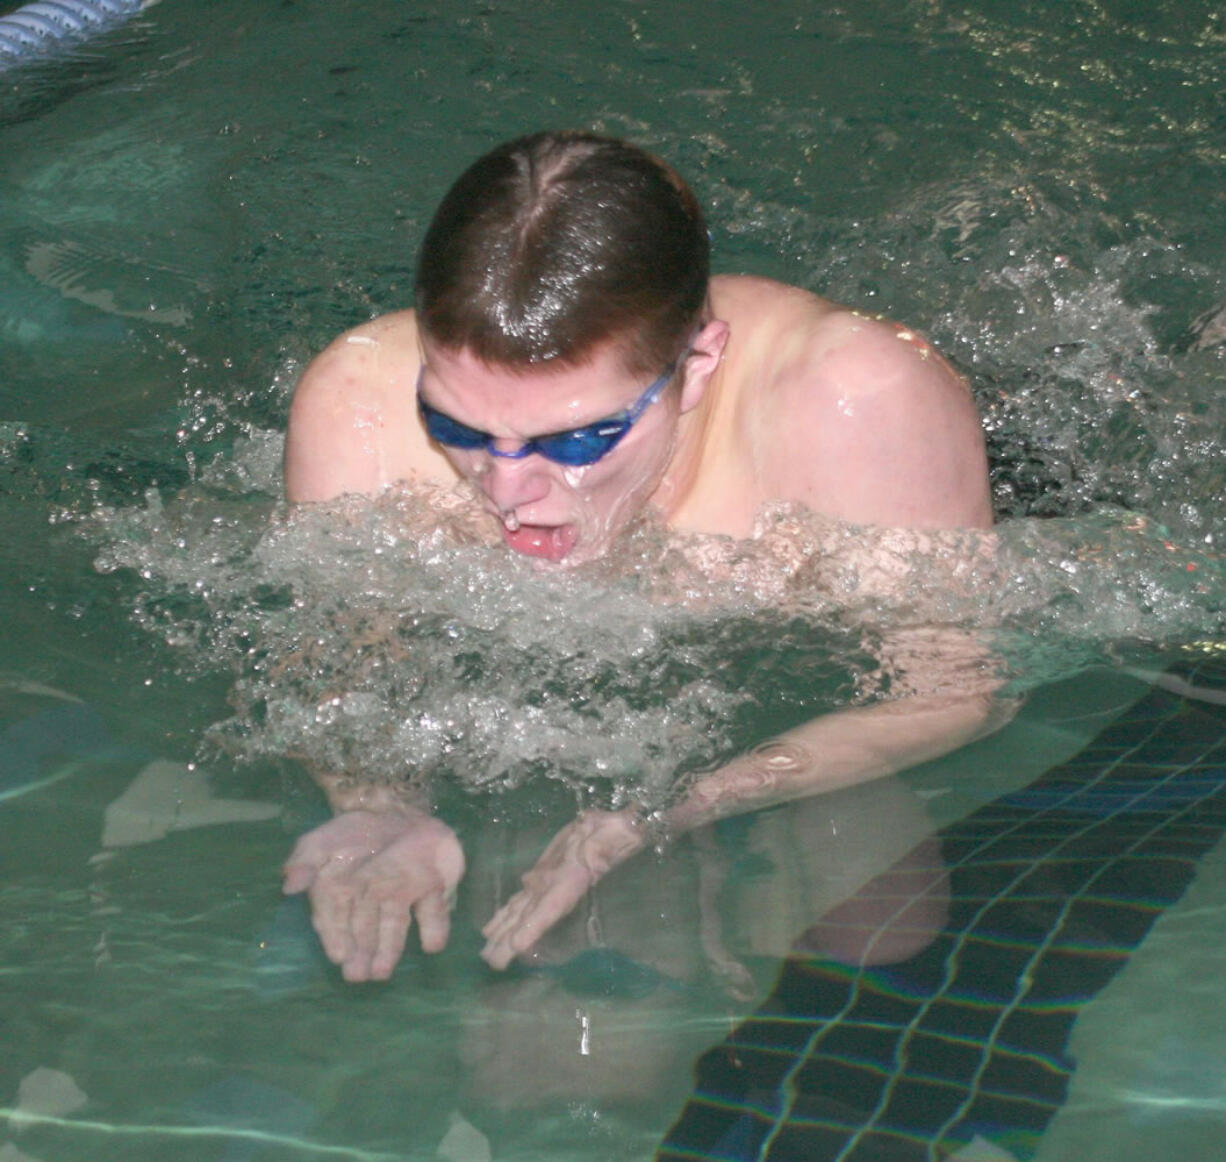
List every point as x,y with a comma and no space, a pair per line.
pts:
967,1044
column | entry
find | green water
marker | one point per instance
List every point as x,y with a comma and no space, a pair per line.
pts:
192,206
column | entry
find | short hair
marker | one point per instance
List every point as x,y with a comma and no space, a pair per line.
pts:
553,244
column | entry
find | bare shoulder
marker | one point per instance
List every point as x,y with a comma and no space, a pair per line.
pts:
862,419
353,424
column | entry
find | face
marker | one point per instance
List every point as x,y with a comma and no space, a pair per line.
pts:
548,510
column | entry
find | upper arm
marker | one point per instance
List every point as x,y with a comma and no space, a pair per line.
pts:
353,425
876,428
328,451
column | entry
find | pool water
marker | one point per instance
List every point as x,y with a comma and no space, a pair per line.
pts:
195,202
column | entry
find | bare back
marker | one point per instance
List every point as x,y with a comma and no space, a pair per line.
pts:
857,418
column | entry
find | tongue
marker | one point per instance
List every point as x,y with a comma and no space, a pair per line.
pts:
552,542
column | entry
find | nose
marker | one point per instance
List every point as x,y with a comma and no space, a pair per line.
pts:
513,483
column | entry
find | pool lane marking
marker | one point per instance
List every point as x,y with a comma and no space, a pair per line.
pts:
20,1119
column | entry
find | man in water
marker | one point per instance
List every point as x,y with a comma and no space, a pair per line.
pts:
571,358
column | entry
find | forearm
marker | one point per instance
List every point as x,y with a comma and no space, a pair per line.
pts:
838,750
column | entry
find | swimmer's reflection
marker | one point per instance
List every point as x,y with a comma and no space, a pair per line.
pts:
613,1005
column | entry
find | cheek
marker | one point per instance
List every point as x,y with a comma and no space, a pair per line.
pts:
608,494
594,492
576,477
466,465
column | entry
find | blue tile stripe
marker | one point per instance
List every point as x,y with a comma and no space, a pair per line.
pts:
1052,887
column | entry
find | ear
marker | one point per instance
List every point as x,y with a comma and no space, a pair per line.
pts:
705,355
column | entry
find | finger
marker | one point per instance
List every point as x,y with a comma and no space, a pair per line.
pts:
297,877
433,914
520,911
497,954
307,850
547,909
537,886
356,969
330,911
514,940
522,922
506,918
363,939
302,865
394,923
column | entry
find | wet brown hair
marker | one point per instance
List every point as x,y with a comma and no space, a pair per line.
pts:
553,244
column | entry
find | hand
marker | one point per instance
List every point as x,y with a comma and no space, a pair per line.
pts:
575,859
369,874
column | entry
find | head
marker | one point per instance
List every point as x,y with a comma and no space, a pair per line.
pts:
562,275
553,245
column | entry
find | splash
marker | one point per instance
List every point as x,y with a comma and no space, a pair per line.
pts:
1089,341
400,640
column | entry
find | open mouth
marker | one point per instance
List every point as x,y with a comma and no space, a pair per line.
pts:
549,542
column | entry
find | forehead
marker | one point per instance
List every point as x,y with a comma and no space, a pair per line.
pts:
526,400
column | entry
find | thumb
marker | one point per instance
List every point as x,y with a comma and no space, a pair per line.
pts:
297,877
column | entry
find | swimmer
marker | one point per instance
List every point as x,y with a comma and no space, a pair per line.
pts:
572,359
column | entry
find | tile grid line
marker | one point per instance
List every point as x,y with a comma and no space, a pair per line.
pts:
787,1082
1025,977
952,958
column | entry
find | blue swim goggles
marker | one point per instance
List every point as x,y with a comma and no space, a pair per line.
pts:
576,447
